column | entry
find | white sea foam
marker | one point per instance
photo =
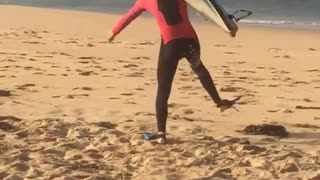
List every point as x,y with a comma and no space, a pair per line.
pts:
283,23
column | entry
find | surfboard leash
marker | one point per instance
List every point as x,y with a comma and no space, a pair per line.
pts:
237,19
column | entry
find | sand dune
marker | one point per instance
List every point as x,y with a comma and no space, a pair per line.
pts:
73,106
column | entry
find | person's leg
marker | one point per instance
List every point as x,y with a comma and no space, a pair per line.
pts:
168,61
192,54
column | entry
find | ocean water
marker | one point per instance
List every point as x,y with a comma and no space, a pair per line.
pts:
287,13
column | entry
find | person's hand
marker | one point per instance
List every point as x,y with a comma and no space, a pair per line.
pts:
111,37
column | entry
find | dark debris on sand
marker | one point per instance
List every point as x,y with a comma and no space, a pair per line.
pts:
266,129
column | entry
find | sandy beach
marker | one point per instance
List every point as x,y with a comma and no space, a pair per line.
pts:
73,106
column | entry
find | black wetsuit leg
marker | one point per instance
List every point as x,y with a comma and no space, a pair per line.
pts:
193,54
169,57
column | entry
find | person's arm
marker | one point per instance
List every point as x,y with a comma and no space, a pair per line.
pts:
132,14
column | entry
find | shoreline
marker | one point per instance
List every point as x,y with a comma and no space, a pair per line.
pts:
193,17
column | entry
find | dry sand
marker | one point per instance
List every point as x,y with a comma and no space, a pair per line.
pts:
73,106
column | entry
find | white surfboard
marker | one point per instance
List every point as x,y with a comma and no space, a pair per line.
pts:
213,11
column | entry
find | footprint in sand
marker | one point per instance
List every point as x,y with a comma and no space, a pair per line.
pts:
280,72
129,102
38,73
175,105
300,82
84,62
185,88
231,89
133,47
72,96
188,111
238,62
127,94
309,126
10,60
273,110
25,86
122,61
113,98
17,57
69,42
44,56
83,88
33,42
247,71
97,67
227,73
274,85
184,74
86,73
275,49
185,79
143,43
145,114
103,124
313,70
51,74
243,77
130,66
219,45
288,111
307,107
108,76
141,57
261,67
307,100
54,66
135,74
139,89
232,53
90,45
87,57
115,69
31,68
65,54
5,93
286,56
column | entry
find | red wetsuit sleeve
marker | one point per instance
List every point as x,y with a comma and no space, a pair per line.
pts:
133,13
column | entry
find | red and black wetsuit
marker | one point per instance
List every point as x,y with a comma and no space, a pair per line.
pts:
179,40
171,16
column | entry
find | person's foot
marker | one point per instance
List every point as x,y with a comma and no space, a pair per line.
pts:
159,136
226,104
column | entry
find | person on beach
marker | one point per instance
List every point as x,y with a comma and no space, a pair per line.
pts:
178,40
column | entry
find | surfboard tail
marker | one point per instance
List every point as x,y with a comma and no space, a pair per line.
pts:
212,10
229,20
